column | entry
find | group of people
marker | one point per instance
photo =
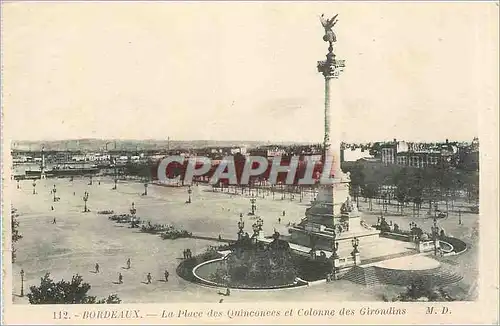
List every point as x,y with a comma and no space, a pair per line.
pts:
149,278
187,254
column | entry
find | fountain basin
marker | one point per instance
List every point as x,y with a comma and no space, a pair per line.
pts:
204,274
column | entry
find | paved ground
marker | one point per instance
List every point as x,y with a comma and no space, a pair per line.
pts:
78,240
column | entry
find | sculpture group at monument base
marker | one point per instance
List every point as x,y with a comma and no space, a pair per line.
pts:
323,239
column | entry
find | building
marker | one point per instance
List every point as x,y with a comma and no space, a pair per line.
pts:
419,155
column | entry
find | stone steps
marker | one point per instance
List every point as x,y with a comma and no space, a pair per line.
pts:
387,257
371,275
362,275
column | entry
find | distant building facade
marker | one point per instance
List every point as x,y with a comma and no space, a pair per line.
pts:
419,155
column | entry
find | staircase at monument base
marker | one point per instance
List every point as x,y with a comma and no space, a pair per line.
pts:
371,275
362,275
387,257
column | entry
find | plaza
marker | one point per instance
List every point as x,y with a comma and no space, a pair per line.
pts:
79,240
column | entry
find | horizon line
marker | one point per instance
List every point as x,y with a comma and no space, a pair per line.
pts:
232,140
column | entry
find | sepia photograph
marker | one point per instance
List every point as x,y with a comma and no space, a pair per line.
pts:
221,155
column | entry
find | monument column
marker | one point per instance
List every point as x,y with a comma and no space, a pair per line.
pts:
331,68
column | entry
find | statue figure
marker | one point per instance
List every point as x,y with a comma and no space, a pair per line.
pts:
328,24
347,206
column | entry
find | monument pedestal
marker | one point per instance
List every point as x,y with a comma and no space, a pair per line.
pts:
332,218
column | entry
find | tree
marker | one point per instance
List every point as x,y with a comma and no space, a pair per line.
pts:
16,235
416,190
370,191
63,292
357,180
401,196
417,201
421,287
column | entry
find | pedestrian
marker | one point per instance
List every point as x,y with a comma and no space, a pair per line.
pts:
220,237
51,208
97,267
167,274
184,253
120,278
54,221
284,213
149,278
228,292
74,193
279,220
99,183
128,263
241,214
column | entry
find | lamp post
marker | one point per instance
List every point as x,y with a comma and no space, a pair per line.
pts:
145,188
241,226
134,221
260,223
355,251
459,217
133,210
115,175
34,186
54,190
253,206
189,191
435,233
335,255
85,198
22,282
412,234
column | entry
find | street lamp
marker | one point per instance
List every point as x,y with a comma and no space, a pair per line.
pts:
260,223
335,255
145,188
85,198
189,194
34,186
459,217
355,244
241,226
253,206
22,282
435,233
54,190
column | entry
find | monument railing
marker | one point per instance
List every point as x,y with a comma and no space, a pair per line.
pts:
425,246
343,262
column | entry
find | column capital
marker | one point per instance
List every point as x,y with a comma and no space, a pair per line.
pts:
331,67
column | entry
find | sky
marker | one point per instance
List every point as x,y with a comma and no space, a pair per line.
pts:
246,71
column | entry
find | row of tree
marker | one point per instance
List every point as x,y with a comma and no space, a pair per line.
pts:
412,185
